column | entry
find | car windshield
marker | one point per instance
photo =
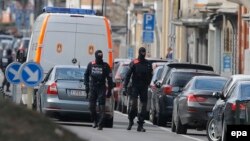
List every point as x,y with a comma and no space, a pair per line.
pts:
69,73
245,91
123,71
157,73
210,84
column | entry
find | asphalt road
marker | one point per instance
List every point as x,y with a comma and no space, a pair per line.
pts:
119,132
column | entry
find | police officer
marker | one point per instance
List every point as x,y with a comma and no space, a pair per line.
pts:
141,71
95,81
5,61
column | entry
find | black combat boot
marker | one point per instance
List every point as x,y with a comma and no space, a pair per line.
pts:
140,128
131,123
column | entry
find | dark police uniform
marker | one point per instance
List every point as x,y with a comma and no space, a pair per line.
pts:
141,71
95,80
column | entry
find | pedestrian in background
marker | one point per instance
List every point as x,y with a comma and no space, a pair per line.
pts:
169,54
141,71
95,81
5,61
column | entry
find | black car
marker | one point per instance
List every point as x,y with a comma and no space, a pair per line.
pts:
174,77
193,105
232,109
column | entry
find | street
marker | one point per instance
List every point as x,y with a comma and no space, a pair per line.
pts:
119,132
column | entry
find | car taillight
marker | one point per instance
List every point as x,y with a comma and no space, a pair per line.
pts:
241,106
193,98
167,89
52,89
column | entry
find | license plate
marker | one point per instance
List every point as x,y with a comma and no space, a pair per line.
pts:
76,93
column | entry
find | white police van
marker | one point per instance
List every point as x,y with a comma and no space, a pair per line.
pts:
66,36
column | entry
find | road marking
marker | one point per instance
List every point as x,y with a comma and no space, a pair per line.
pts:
165,129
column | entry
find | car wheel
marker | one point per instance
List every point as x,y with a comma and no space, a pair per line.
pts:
180,129
211,130
152,117
224,131
109,122
161,120
173,127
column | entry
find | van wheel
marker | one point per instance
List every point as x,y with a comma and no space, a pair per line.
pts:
180,129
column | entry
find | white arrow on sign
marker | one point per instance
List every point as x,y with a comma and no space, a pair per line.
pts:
13,71
33,75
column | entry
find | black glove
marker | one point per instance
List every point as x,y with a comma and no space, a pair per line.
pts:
124,91
109,93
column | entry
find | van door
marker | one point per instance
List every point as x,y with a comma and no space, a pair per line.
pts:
59,44
89,38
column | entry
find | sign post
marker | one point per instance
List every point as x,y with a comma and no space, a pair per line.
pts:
31,74
11,74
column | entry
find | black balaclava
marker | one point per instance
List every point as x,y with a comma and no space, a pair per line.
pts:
98,56
142,53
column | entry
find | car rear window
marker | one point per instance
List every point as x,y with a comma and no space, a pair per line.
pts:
180,79
210,84
69,73
245,91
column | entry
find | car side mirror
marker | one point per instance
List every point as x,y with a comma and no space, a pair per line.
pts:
158,84
218,95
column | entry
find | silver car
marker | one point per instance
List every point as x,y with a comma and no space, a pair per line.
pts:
63,92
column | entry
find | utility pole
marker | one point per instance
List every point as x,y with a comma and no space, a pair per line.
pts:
92,4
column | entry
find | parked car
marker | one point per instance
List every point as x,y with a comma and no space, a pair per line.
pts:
152,88
118,79
193,105
175,75
225,106
125,99
63,92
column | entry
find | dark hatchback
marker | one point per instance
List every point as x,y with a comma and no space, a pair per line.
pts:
193,105
169,86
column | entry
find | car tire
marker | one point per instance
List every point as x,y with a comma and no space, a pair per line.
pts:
109,122
173,126
211,130
152,117
224,131
180,129
161,120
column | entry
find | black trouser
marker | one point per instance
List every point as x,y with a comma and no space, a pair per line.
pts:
142,93
97,94
5,82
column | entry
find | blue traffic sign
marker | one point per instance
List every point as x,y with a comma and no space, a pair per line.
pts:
148,22
11,72
148,37
31,74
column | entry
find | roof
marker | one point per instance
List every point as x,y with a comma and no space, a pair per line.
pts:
68,66
190,66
